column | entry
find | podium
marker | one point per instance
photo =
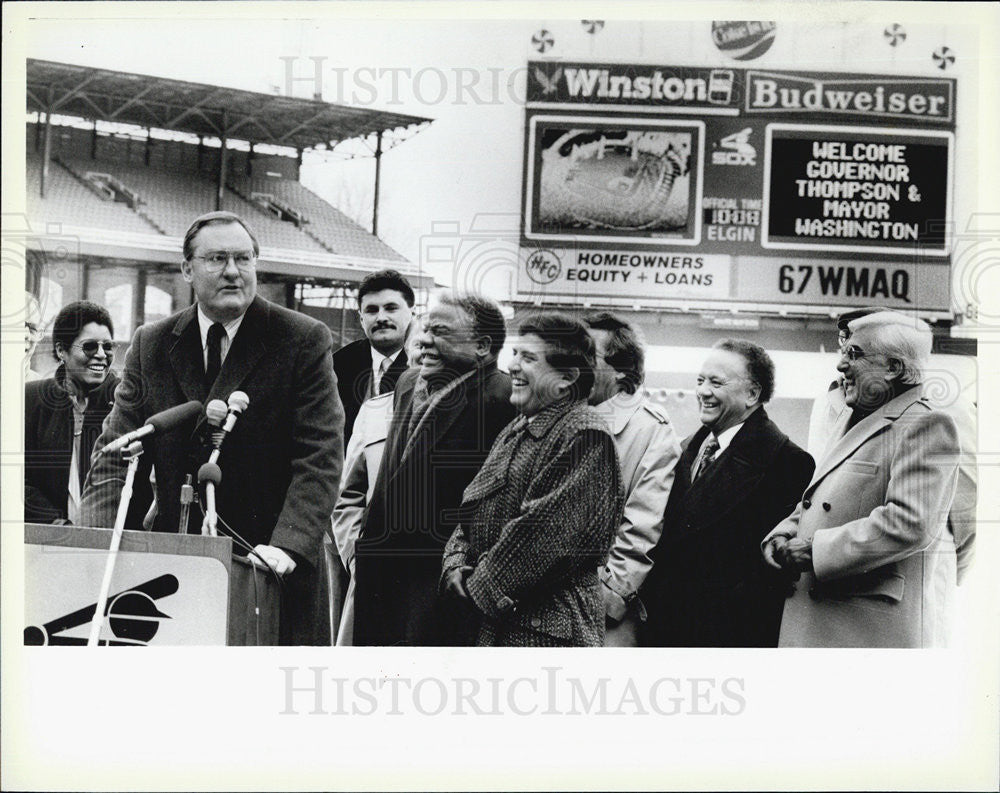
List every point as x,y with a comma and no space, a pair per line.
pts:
167,590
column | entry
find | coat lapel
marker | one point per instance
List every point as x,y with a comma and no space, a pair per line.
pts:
186,357
247,348
397,430
437,420
737,471
690,454
847,443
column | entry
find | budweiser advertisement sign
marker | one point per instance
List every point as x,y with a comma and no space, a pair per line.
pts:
890,97
656,182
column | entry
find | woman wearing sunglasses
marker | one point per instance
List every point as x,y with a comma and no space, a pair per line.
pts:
63,414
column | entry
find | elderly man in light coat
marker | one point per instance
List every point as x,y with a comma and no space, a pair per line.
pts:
869,536
941,395
648,451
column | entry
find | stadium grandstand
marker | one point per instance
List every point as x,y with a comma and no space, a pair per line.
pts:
119,164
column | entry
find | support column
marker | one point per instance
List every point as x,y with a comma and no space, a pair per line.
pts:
149,147
343,315
139,298
222,164
85,284
378,179
46,148
93,142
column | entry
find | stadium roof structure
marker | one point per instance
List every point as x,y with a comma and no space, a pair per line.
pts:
204,110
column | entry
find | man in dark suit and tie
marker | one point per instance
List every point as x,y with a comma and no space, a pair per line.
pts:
737,478
372,365
447,414
281,462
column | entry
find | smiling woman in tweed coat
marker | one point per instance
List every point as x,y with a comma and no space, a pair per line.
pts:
539,517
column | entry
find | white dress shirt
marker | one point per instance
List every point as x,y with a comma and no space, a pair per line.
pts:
204,323
379,369
723,439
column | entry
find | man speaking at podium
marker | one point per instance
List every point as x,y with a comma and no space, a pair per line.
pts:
281,461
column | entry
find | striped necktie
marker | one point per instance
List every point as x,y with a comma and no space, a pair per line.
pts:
707,457
376,382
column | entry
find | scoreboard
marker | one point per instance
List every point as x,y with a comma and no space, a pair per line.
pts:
657,183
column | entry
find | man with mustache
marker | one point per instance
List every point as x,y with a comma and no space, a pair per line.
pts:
372,365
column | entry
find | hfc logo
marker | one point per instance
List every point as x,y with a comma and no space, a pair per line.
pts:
543,266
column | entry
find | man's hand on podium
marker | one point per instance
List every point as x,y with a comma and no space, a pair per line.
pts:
280,561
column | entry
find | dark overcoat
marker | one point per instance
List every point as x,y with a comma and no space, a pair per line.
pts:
280,464
710,586
414,509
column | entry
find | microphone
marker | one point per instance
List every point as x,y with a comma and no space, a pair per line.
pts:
164,421
211,475
238,402
215,412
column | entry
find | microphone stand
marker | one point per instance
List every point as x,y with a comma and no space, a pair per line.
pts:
211,527
130,453
211,475
187,497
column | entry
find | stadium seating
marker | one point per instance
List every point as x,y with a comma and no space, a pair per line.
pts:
68,201
178,185
334,230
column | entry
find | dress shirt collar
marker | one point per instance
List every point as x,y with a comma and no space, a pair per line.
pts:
378,357
723,439
204,323
726,437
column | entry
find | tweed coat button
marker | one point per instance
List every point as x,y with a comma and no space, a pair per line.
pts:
536,622
826,506
806,503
